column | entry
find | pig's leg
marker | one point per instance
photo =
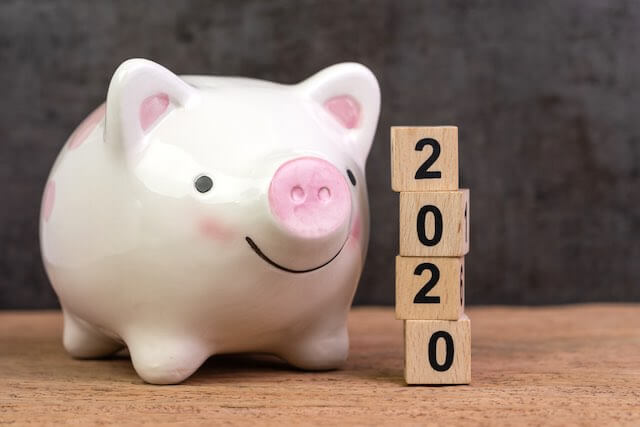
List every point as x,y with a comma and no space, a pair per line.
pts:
83,341
165,360
318,350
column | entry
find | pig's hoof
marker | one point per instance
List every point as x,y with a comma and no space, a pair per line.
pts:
166,361
318,353
83,341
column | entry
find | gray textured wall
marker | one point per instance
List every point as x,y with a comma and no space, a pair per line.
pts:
545,94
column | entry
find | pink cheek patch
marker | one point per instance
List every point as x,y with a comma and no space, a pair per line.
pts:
345,109
356,228
152,108
86,127
48,200
213,230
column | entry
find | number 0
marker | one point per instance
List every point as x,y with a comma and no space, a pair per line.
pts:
422,225
433,356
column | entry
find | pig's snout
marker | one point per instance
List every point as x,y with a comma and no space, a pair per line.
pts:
310,198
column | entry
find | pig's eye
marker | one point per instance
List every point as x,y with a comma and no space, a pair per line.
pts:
203,183
352,178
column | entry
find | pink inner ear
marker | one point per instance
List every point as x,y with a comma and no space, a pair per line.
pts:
152,108
345,109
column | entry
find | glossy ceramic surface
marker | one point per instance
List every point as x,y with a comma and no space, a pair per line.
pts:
201,215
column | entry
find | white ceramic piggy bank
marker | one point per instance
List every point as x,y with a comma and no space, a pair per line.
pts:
197,215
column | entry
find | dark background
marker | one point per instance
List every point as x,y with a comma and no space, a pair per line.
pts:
545,94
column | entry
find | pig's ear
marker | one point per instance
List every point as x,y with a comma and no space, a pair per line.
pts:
350,95
141,93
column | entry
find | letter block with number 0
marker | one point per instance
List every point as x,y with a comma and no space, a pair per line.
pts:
437,351
429,288
424,158
434,223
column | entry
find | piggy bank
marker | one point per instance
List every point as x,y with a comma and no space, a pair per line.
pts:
195,215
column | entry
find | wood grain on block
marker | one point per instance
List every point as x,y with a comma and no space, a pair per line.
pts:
434,223
437,351
424,158
429,288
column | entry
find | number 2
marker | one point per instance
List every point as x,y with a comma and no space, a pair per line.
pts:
422,297
423,171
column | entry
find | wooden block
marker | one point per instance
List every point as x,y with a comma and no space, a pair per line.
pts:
424,158
429,288
434,224
437,351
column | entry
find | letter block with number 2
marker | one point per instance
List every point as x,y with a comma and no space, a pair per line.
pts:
437,351
424,158
434,223
429,288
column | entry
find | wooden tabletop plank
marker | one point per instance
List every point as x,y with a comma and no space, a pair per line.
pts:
559,365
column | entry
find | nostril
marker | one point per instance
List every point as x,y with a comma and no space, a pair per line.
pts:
324,194
297,194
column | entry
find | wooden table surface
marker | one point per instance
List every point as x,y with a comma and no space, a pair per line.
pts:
557,365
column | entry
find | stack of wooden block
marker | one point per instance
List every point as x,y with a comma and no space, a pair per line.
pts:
434,238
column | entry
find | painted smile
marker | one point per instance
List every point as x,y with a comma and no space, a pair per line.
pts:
262,255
